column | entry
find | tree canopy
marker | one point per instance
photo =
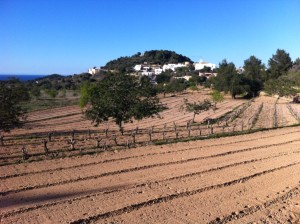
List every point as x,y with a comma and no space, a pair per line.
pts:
254,68
217,97
121,97
248,83
282,86
279,64
196,107
10,110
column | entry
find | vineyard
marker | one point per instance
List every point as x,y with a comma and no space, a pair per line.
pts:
168,169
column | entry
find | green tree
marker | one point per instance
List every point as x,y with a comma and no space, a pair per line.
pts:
240,85
84,94
164,77
121,97
254,68
10,110
281,87
226,71
279,64
217,97
52,92
196,107
35,91
175,86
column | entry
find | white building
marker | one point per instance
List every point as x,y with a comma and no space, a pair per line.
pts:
94,70
146,73
137,67
158,71
172,66
201,64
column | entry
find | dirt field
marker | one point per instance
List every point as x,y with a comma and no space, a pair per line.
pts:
251,178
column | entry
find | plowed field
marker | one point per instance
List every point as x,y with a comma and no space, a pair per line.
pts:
250,178
237,179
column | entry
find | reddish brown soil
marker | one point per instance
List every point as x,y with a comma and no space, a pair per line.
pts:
239,179
231,178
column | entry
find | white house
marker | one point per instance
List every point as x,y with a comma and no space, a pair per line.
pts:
94,70
173,66
201,64
147,73
137,67
158,71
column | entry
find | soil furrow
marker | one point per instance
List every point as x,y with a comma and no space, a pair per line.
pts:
138,206
11,213
3,193
290,194
139,156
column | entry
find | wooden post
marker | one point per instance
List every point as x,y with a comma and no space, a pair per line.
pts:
122,130
137,130
45,146
208,122
106,129
164,136
211,130
104,147
98,142
175,127
133,136
2,140
115,139
150,135
189,131
25,154
127,143
72,142
50,136
176,134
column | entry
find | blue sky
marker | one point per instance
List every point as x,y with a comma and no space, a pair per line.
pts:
69,36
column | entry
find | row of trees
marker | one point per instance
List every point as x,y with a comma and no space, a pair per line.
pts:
282,76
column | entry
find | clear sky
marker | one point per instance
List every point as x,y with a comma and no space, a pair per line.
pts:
69,36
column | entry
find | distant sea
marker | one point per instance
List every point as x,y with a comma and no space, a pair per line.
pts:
20,77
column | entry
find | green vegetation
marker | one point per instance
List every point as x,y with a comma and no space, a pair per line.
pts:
121,97
126,64
283,75
10,110
281,78
246,84
279,64
217,97
195,107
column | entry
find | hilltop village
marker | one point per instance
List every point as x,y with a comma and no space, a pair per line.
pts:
203,68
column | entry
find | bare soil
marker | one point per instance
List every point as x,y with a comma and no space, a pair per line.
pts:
251,178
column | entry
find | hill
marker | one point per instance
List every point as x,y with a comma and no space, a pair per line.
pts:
126,64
